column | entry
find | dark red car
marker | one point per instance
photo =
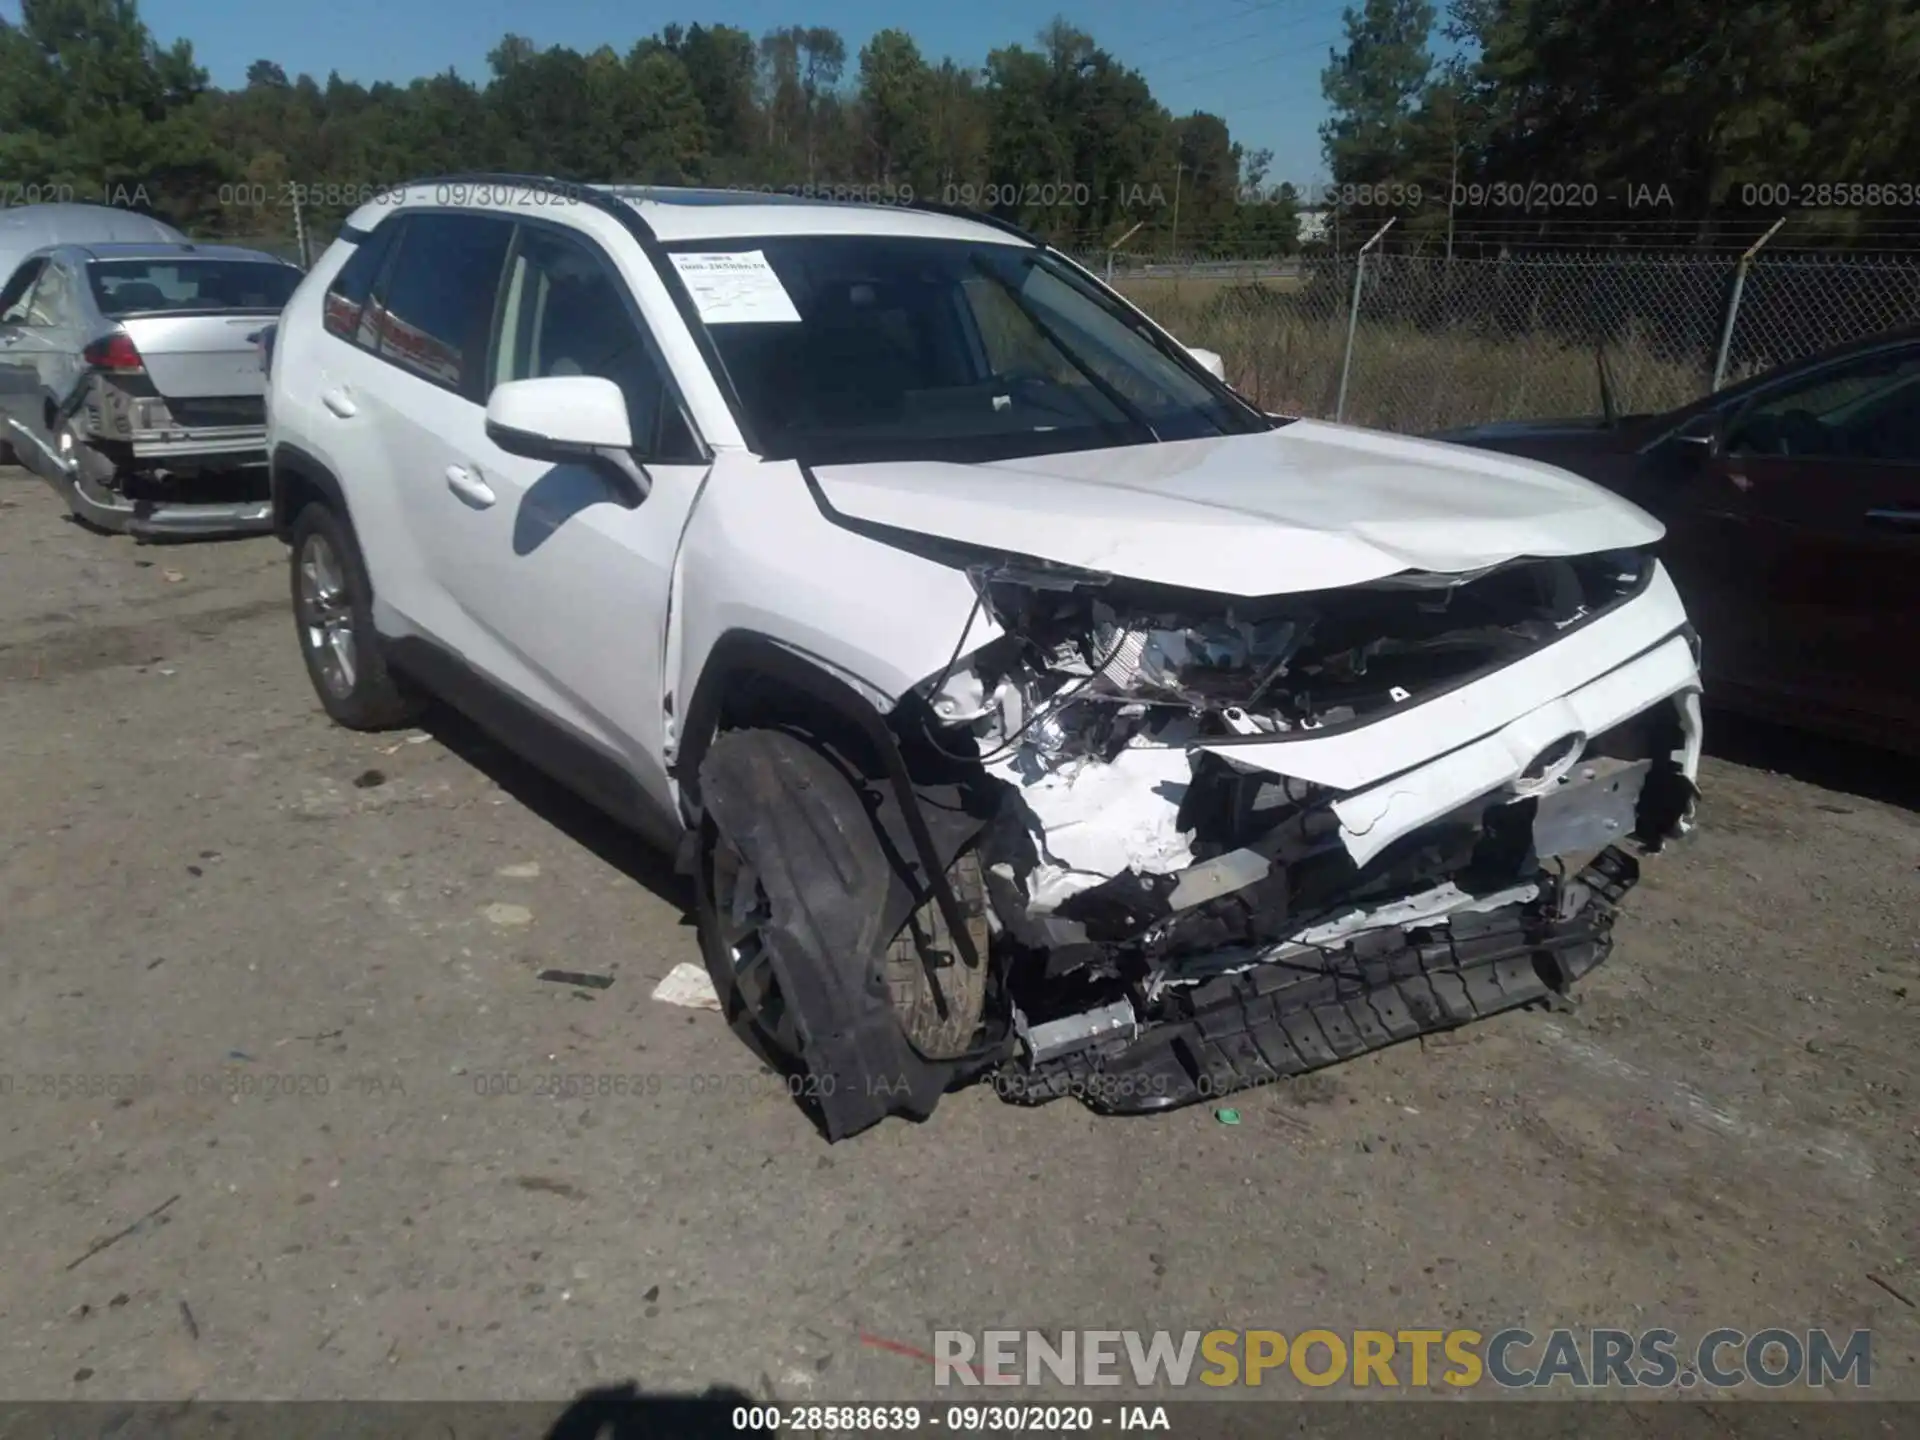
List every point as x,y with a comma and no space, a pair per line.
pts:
1792,506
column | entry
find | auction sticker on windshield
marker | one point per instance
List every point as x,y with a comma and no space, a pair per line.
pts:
736,287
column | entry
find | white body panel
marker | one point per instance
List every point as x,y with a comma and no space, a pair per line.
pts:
606,617
554,589
1351,758
1307,507
1373,819
760,557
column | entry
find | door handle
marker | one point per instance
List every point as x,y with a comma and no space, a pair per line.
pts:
469,486
340,403
1894,519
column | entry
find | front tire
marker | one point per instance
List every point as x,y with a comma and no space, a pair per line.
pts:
926,941
791,893
333,618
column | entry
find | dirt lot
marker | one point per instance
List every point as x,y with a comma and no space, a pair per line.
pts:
308,954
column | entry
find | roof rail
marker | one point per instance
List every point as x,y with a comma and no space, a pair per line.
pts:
584,190
594,195
979,217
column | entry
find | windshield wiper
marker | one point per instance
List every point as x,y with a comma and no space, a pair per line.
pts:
1126,407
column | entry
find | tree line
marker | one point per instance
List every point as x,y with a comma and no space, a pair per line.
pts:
1579,122
1058,134
1566,122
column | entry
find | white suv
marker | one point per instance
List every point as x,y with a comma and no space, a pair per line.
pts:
1023,701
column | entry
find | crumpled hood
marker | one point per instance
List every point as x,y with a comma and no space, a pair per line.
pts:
1310,506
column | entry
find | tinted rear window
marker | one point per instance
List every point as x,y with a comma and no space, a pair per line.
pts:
140,287
438,307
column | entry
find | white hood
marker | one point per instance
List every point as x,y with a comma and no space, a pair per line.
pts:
1310,506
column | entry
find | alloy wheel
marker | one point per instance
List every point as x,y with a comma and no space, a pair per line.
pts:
326,617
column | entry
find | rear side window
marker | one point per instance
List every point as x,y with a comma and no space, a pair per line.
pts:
348,293
19,291
52,302
160,286
437,309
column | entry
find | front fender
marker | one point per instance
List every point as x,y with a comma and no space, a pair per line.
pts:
762,558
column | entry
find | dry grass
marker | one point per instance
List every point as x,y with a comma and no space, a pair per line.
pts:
1150,290
1283,348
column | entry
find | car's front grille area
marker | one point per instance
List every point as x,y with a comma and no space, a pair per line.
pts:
216,410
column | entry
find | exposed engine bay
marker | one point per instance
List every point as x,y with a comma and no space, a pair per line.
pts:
1179,910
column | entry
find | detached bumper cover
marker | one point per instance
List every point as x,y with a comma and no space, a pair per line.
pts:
175,518
1273,1022
252,517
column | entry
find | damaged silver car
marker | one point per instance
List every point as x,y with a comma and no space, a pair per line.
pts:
130,380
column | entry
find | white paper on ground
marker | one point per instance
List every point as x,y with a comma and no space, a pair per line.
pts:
687,984
736,287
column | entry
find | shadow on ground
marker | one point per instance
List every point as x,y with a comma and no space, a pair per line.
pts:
1832,764
580,820
624,1412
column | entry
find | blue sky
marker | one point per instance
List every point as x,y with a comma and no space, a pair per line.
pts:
1256,63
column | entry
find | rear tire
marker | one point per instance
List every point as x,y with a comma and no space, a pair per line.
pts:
333,618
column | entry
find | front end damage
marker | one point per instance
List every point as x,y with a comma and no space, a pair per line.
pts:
1219,841
1240,840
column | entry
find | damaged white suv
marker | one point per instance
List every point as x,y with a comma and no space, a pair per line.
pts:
1024,702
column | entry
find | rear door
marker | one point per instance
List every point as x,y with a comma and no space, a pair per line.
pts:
37,342
1815,576
430,330
344,421
19,347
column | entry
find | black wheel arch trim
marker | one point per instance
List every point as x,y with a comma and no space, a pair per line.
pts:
740,653
286,459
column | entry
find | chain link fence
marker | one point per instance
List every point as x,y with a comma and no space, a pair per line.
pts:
1418,343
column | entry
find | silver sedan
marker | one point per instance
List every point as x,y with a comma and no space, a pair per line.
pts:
130,378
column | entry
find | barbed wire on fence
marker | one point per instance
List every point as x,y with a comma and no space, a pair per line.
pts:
1439,343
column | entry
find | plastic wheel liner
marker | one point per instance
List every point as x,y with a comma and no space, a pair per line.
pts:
828,846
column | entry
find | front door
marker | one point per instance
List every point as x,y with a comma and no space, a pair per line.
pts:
566,586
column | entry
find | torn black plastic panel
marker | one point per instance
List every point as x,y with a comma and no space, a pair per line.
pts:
1272,1022
811,826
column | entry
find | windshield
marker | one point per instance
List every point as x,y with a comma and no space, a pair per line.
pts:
897,348
144,287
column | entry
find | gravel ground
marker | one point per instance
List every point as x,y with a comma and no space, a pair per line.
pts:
312,953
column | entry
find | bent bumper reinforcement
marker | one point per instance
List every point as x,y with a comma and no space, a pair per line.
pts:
1272,1022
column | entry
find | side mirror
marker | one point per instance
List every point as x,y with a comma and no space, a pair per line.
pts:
1210,361
568,419
1705,436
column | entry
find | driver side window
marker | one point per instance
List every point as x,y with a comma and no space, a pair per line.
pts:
1868,409
565,313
